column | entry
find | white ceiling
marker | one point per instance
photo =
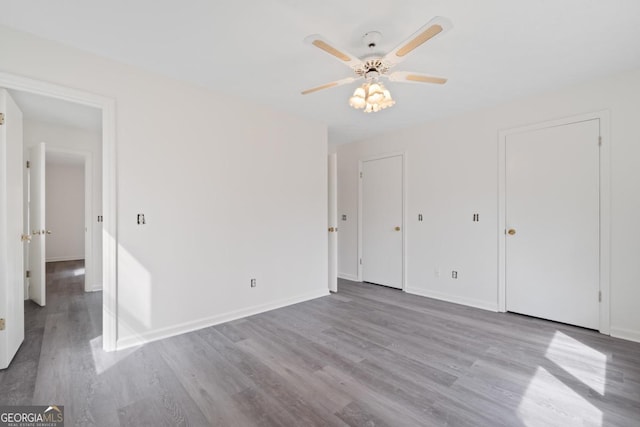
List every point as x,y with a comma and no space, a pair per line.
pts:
51,110
64,159
497,50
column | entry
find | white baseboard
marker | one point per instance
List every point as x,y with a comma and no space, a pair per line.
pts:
454,299
194,325
625,334
64,258
347,276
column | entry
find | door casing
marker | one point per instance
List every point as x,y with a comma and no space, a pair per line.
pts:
333,221
605,207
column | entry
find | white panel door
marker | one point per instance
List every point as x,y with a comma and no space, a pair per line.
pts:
11,230
382,227
552,218
333,222
37,249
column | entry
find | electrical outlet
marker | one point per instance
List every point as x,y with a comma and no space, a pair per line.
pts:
454,274
344,217
141,220
253,283
419,217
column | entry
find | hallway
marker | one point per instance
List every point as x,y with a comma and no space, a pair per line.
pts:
55,337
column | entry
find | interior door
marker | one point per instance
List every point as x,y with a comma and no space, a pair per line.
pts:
552,218
37,266
333,221
382,225
11,230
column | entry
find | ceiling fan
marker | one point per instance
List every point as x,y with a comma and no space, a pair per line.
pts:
372,95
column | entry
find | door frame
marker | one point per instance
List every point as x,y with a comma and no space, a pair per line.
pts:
403,156
332,217
605,207
89,261
109,230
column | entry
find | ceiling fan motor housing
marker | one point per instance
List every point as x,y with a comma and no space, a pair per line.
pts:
372,68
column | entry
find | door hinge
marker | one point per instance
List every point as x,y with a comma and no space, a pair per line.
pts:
360,174
599,296
360,261
599,141
28,164
1,119
3,325
28,274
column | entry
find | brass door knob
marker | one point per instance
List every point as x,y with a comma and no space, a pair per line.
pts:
331,229
397,229
25,238
49,232
35,232
511,231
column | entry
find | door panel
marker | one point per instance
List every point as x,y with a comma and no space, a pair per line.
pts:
37,281
382,225
552,206
11,230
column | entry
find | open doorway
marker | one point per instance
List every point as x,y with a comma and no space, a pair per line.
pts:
65,207
66,221
68,208
103,167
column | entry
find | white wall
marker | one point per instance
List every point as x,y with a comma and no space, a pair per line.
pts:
79,141
231,191
453,172
65,211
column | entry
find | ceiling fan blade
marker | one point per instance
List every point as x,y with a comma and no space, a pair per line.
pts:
340,54
409,77
433,28
329,85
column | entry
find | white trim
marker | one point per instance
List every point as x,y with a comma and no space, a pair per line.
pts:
332,217
194,325
625,334
484,305
347,276
109,253
109,228
403,156
605,222
68,258
605,207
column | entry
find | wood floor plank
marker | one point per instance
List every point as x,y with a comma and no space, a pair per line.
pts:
269,386
328,399
366,356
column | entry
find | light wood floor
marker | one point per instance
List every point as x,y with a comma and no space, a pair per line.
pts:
367,356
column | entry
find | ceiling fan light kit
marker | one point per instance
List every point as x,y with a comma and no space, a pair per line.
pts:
372,96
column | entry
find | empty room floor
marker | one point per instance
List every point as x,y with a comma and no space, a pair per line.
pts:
366,356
